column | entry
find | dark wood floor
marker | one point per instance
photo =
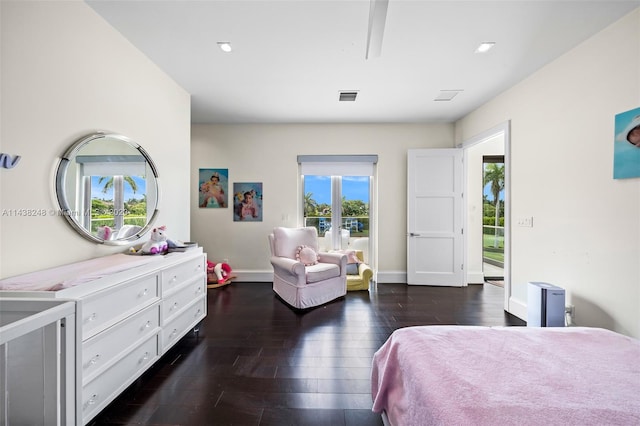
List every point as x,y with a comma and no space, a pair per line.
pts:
255,361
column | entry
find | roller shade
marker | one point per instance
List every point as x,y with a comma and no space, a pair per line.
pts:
112,165
337,165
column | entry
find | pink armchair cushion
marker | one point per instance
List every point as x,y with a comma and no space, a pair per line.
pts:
321,272
287,240
306,255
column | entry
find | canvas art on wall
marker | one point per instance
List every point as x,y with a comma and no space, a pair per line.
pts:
213,187
247,202
626,145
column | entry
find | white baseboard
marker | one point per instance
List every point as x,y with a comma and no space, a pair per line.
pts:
253,276
267,276
391,277
475,277
518,308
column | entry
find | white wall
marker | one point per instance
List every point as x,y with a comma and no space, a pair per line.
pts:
586,226
66,73
267,153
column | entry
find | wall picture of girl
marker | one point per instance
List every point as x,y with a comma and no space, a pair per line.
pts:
213,187
247,202
626,145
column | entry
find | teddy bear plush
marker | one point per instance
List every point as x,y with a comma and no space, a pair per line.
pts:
157,243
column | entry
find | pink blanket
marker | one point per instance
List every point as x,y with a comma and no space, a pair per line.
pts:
74,274
465,375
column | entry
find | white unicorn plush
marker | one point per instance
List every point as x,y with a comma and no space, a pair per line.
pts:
157,243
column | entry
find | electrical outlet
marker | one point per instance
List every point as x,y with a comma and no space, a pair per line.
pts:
571,310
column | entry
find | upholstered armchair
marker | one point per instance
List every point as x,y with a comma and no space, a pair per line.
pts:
361,279
303,276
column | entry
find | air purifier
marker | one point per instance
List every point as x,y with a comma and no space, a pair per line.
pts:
545,305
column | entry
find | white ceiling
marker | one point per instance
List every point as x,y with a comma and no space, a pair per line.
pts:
291,58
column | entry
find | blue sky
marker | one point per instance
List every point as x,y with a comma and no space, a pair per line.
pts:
487,192
96,189
353,188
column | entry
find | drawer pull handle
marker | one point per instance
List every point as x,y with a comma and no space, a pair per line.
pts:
174,306
198,313
145,357
94,360
92,400
173,333
92,317
174,279
144,292
198,289
146,325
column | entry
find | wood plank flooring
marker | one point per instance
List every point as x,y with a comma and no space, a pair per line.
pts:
255,361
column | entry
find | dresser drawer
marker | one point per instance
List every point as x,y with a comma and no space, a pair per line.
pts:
100,391
179,300
182,323
107,308
174,276
103,349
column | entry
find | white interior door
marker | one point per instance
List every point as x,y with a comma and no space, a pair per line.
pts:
435,217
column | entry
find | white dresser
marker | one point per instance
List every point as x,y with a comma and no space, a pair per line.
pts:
126,320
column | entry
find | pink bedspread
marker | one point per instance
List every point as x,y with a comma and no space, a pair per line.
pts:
74,274
464,375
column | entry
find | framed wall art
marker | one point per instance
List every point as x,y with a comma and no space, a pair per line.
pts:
213,187
626,145
247,202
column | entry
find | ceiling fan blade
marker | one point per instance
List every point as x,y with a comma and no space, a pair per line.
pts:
377,18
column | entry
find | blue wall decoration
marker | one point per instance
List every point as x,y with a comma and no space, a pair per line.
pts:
7,161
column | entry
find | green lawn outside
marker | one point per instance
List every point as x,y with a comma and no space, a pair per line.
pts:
489,251
488,241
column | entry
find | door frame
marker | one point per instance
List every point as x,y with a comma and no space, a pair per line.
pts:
505,129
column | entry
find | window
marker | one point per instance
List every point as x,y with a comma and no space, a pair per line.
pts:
337,199
114,192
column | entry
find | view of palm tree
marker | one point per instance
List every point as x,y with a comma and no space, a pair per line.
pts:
104,211
109,183
493,214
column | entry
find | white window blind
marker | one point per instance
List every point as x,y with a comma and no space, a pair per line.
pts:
113,165
337,165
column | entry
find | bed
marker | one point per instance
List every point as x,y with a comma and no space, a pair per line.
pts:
472,375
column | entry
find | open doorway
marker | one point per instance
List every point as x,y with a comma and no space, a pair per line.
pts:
492,144
493,180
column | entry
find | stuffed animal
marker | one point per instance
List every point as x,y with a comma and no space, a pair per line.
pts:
221,271
157,243
104,233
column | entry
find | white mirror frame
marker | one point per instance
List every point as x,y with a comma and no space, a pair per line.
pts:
61,179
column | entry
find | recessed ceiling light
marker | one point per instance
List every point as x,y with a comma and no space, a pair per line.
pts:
485,46
225,46
447,95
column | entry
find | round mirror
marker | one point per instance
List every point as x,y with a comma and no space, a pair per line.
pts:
107,188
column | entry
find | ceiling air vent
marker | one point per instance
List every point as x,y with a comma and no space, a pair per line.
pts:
447,95
348,96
